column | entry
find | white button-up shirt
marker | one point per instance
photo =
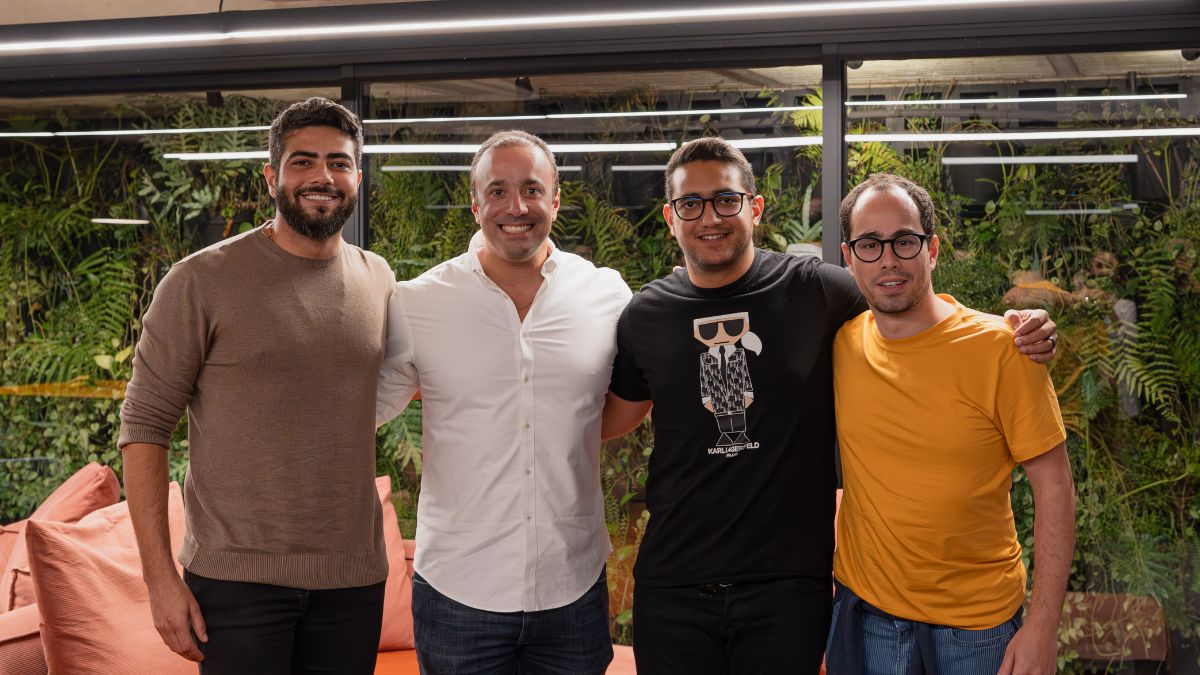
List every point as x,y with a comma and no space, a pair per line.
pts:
511,516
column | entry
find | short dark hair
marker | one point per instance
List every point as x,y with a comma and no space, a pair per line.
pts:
885,181
507,138
714,149
314,112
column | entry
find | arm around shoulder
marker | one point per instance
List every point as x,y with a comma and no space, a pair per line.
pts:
621,417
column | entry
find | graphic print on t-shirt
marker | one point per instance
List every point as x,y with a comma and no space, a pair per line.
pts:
725,387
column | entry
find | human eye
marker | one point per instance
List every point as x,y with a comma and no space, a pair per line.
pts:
907,242
868,245
728,198
689,203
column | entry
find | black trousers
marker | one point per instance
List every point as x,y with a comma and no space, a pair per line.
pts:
771,627
258,629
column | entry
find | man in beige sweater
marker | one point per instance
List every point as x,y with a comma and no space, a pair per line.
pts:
272,342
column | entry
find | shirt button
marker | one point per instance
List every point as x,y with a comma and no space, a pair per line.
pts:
528,517
526,379
528,471
527,425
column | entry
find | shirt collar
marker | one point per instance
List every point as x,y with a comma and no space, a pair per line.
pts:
715,351
552,262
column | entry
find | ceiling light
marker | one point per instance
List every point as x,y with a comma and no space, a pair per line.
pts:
611,147
593,115
777,142
484,118
1068,212
25,134
1032,99
1044,159
638,167
152,132
189,156
683,113
120,221
525,23
1073,134
417,168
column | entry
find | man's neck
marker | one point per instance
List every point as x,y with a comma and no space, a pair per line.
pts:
917,319
299,245
505,272
716,278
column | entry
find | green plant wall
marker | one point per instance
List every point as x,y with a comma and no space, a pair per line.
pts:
75,291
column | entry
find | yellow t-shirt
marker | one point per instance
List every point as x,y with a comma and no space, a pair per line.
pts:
930,428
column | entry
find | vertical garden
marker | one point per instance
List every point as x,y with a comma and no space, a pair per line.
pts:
1117,271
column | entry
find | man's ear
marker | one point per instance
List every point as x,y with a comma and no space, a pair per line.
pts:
669,216
849,258
269,175
757,206
935,247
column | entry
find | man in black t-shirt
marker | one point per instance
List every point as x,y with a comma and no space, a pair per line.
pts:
734,572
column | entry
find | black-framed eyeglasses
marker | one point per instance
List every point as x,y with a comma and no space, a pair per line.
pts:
725,204
905,247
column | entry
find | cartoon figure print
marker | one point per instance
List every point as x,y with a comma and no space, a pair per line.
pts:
725,387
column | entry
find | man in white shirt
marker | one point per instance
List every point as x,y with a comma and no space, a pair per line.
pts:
511,345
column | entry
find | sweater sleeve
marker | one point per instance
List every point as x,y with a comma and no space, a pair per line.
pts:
172,350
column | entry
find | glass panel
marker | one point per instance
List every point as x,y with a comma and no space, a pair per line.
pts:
612,133
1072,181
91,217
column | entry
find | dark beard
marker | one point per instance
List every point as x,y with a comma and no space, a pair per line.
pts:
320,227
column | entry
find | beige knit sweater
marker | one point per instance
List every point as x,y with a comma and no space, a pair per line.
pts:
275,357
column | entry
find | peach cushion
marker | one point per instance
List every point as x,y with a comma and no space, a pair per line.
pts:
20,644
9,534
92,487
405,662
95,608
397,630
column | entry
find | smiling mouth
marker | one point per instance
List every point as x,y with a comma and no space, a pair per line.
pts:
319,197
892,283
516,229
713,236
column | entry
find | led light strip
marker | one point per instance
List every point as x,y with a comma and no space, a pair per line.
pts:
419,168
753,144
153,132
1044,159
1074,134
777,142
527,22
1032,99
594,115
598,115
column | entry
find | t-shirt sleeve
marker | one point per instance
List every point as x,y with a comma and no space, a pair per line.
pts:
1027,407
170,353
628,381
842,296
398,377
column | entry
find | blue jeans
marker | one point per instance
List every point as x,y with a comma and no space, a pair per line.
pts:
454,639
888,645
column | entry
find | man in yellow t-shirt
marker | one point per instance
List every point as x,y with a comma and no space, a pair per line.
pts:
934,410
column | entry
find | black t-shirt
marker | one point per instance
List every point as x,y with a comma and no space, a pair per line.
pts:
741,484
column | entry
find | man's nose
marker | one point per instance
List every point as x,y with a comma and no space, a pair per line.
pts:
517,205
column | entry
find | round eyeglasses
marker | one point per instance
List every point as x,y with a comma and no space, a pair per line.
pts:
725,204
904,247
